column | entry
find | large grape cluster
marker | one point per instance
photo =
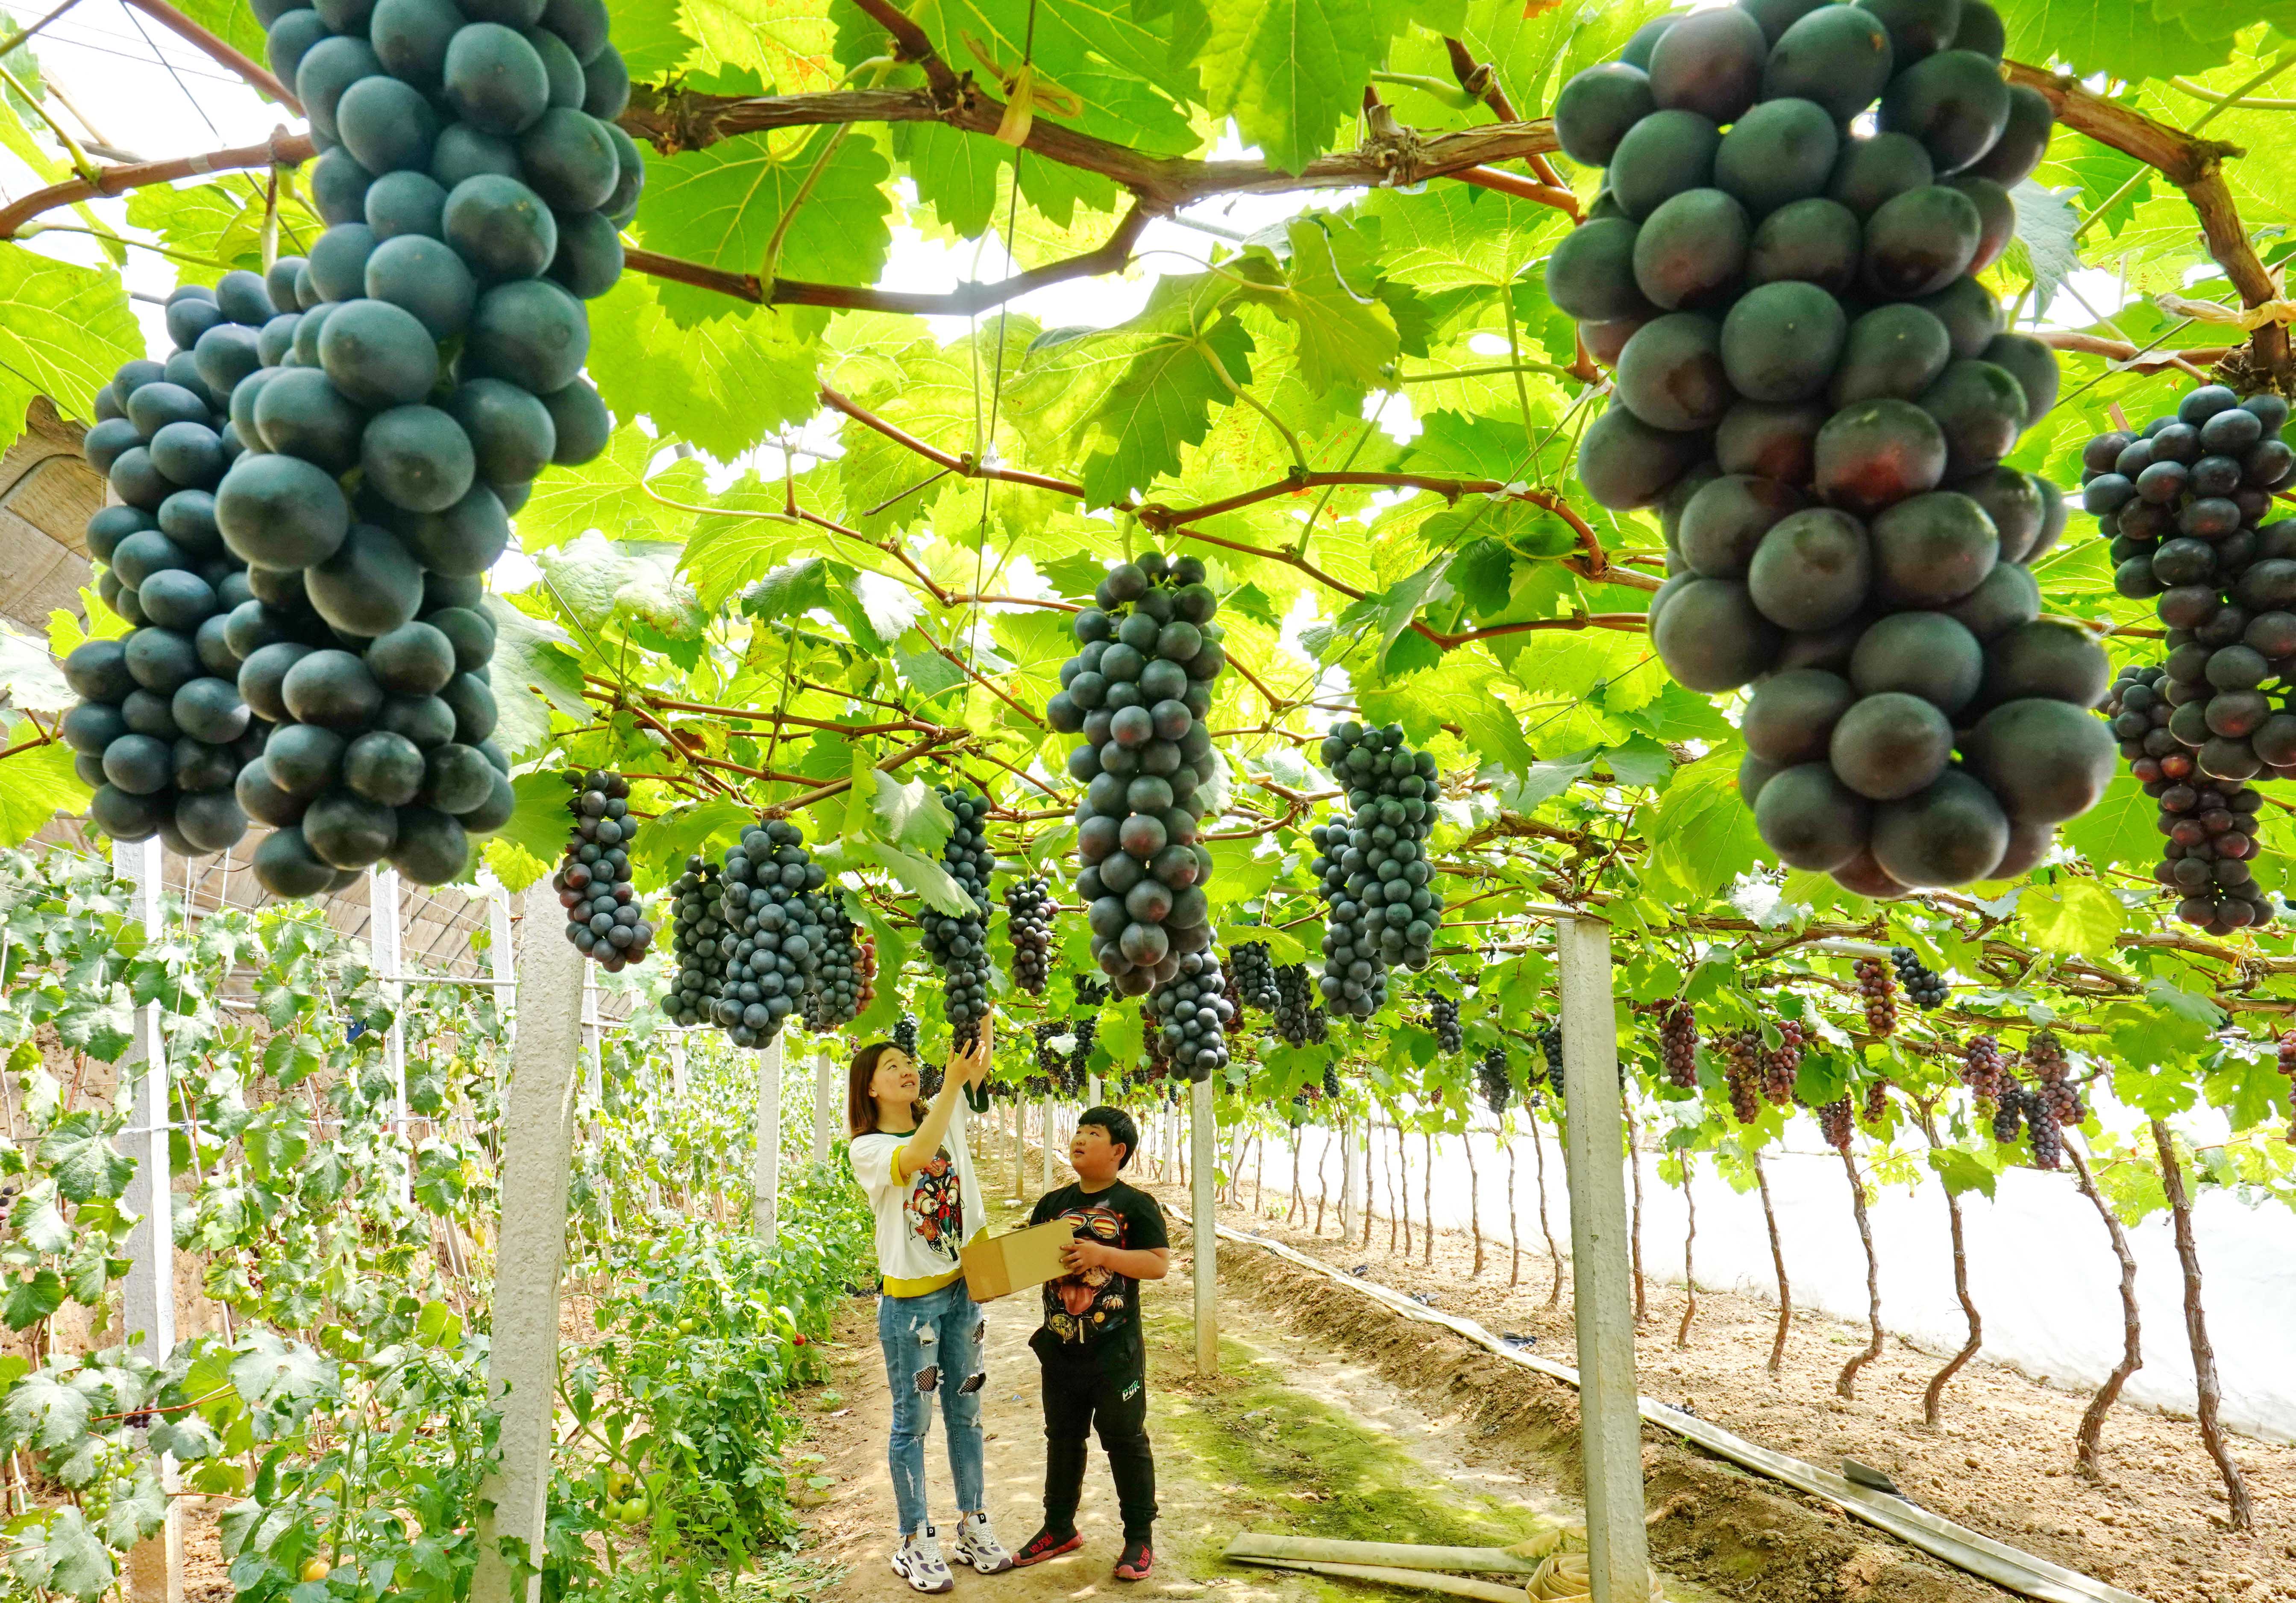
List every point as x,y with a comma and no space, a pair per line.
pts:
1836,1122
1255,975
1377,878
1782,1064
2054,1095
1677,1043
904,1034
1492,1076
1138,690
1740,1051
391,399
1550,1047
1816,389
1086,1028
702,940
1877,1102
1878,988
773,919
1443,1019
604,918
2211,827
1332,1087
162,731
1028,922
958,943
1923,984
844,983
1048,1058
1191,1011
1300,1019
1983,1069
2183,504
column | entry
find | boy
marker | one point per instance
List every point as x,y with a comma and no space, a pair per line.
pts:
1095,1369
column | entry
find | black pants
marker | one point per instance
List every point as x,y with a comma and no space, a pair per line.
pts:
1104,1383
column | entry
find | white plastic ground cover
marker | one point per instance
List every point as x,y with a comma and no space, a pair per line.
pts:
1932,1533
2040,1267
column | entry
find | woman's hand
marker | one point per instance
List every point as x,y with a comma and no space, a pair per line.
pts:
971,1064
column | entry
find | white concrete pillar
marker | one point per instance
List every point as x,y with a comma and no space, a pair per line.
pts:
1347,1179
765,1161
1203,1210
384,922
530,1251
594,1071
1045,1117
1092,1091
1602,1275
155,1566
678,1066
824,1103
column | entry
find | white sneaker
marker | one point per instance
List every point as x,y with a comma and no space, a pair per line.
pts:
977,1545
918,1561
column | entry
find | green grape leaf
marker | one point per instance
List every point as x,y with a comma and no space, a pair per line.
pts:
1163,399
1346,341
535,670
2135,40
28,678
2076,917
78,1153
1291,71
722,384
65,330
36,785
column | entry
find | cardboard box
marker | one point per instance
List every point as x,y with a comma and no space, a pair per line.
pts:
997,1266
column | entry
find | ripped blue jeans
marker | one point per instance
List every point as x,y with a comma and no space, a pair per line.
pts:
932,1345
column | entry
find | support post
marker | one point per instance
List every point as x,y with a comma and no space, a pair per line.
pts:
1202,1209
383,924
1092,1091
678,1066
530,1257
1045,1123
824,1103
594,1073
1617,1556
766,1165
155,1565
1346,1178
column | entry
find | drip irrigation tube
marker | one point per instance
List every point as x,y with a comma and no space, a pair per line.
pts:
1933,1534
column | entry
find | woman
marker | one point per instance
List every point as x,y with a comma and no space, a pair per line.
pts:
911,1158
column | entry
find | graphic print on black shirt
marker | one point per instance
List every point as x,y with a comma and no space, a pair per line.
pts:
936,1207
1082,1308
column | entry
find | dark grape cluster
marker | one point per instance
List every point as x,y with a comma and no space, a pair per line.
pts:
2048,1142
958,943
1880,991
1443,1019
1677,1044
2183,504
2212,827
1983,1068
775,918
2054,1095
1375,876
1741,1054
1255,975
1138,690
391,399
1332,1086
1923,984
1836,1122
1550,1047
844,983
1816,389
1089,992
1493,1077
604,915
2285,1058
1028,922
1049,1060
1086,1028
1152,1034
1191,1012
905,1035
1300,1018
162,731
2008,1109
1782,1064
702,940
2138,706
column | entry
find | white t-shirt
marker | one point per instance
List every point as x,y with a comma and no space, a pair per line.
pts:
925,1218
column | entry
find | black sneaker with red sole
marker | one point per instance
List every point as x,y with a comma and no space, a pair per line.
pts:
1137,1560
1045,1545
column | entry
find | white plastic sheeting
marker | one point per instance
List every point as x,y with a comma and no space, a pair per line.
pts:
2041,1267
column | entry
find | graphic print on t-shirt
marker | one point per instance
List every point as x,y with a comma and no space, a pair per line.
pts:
1078,1307
936,1207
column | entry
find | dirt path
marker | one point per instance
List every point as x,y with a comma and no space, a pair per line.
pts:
1293,1436
2002,1460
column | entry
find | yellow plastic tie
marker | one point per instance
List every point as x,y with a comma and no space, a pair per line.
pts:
1024,94
2249,319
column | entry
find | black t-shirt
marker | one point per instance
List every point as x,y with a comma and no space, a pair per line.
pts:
1081,1308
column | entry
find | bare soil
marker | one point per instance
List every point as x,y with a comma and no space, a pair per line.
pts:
2001,1462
